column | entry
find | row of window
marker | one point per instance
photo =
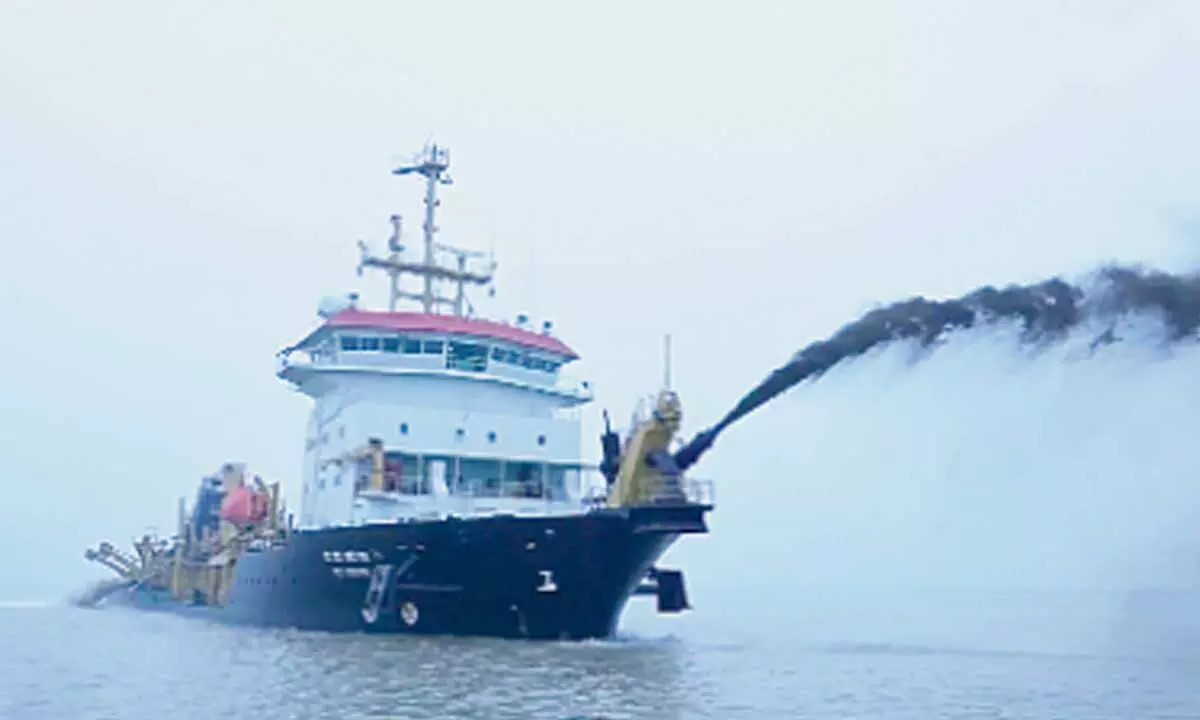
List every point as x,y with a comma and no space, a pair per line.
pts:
519,359
374,343
459,355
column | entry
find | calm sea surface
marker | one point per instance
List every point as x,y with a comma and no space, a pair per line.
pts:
62,663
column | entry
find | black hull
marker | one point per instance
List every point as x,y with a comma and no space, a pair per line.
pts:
546,578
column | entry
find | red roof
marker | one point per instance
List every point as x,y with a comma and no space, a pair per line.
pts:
423,322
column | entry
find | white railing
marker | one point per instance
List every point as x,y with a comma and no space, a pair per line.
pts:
418,486
700,491
696,490
392,505
582,490
285,359
573,386
391,362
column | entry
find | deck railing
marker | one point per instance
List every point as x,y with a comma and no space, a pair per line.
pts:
588,490
559,382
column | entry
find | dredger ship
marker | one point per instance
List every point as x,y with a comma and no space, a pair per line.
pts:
443,490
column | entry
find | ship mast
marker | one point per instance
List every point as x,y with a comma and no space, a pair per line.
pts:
432,163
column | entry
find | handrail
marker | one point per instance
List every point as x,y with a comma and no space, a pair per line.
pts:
473,487
562,383
590,490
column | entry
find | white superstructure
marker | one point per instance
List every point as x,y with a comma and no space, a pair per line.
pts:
468,416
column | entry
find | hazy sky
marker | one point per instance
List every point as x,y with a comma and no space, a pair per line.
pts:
180,183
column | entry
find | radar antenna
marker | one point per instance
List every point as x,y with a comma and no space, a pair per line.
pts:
433,163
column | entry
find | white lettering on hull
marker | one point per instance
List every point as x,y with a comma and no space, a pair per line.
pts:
336,557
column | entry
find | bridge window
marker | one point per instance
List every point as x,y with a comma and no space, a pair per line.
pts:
517,358
470,357
412,347
364,343
391,344
433,347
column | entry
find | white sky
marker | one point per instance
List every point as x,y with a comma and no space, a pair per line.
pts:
179,184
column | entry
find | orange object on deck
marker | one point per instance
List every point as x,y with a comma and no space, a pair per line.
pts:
238,507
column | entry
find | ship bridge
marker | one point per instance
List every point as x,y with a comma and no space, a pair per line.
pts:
429,411
432,346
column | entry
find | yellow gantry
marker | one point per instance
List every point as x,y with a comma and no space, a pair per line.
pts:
637,479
